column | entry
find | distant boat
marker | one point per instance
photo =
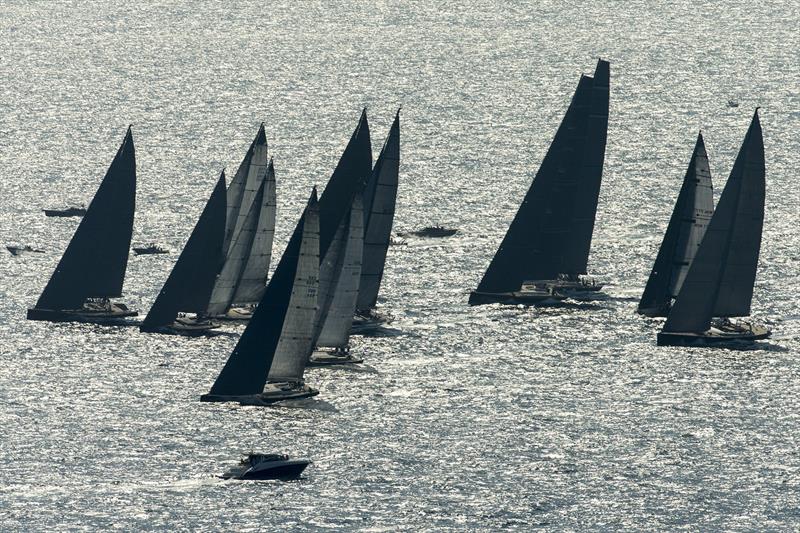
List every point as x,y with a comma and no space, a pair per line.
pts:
249,232
268,363
550,237
92,269
18,250
267,466
720,280
188,287
380,198
333,338
68,212
687,226
431,232
149,249
733,103
397,241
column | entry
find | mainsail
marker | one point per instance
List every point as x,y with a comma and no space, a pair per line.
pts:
188,287
94,264
380,195
335,331
721,277
687,226
248,366
551,233
253,279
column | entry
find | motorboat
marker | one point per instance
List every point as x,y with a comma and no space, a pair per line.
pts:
431,232
258,466
67,212
149,249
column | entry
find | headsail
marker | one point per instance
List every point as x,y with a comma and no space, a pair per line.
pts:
380,196
330,269
253,280
335,331
94,264
551,232
687,226
188,287
721,277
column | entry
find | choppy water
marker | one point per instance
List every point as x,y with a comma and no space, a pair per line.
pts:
486,418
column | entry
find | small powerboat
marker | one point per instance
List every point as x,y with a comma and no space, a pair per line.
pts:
733,103
68,212
149,250
17,250
432,232
267,466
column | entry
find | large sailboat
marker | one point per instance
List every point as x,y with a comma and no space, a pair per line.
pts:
544,255
719,282
188,287
380,197
268,363
249,232
333,338
92,269
687,226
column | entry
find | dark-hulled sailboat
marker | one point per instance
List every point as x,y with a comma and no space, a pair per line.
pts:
547,245
268,363
188,287
720,280
687,226
380,197
92,269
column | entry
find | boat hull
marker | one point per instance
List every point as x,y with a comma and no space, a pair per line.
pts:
185,330
271,394
236,314
115,315
288,470
322,359
512,298
711,337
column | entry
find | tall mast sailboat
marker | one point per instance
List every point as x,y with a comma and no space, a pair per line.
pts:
720,280
188,287
687,226
268,363
544,255
92,269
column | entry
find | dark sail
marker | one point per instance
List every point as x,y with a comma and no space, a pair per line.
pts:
93,266
189,285
380,196
541,242
687,226
721,277
248,366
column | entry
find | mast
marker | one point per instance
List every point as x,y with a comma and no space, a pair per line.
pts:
542,241
247,368
188,287
721,277
287,310
253,279
94,263
380,196
687,226
335,331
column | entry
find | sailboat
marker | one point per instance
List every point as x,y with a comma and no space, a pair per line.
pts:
720,280
380,196
544,255
268,362
333,338
687,226
249,232
92,269
188,287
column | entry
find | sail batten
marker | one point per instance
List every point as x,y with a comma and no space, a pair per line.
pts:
95,261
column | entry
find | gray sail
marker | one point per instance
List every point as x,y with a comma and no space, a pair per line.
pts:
244,185
227,281
253,280
548,234
687,226
721,277
94,263
330,269
247,368
380,196
188,287
336,328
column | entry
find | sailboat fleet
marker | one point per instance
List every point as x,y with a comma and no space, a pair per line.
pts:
327,281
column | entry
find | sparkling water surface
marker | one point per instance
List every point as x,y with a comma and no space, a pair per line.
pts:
487,418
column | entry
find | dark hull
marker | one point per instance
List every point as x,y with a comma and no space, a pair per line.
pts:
262,399
653,312
80,315
146,251
64,213
182,330
510,298
292,471
710,339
